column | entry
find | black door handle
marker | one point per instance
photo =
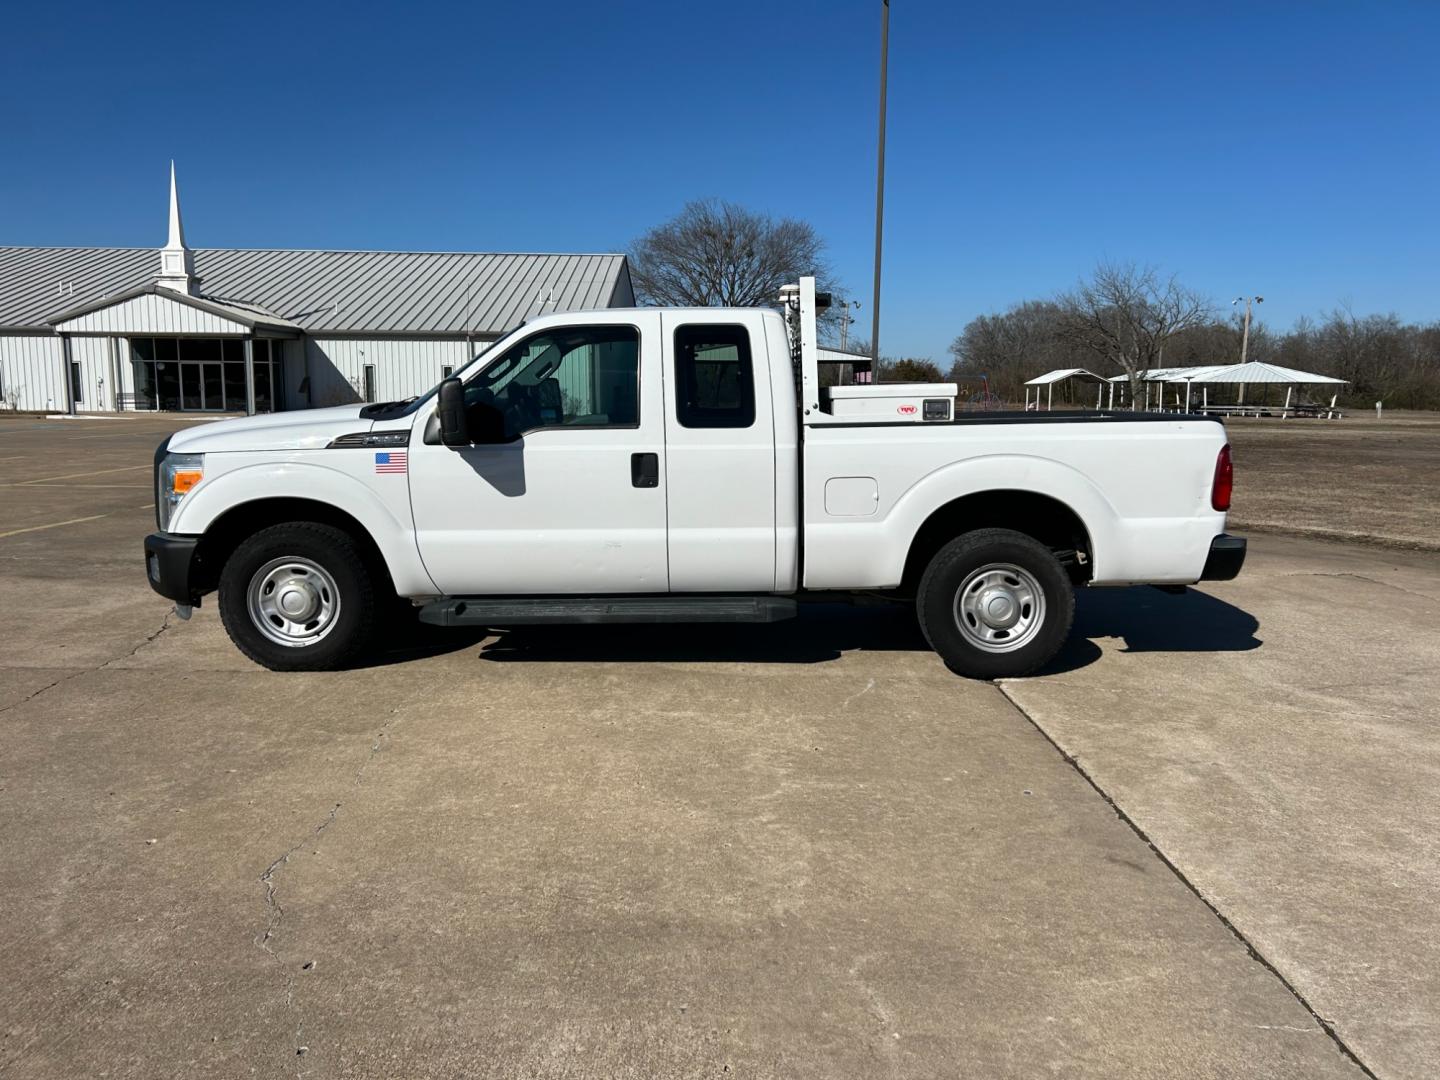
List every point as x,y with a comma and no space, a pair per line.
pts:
645,470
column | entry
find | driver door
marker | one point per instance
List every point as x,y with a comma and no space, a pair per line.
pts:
572,501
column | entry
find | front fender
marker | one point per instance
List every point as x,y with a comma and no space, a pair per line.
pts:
389,526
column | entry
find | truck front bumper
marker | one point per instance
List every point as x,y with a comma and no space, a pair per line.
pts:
1227,556
169,564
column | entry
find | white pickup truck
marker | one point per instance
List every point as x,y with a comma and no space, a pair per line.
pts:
679,465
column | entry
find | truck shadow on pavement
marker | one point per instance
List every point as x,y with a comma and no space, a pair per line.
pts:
1146,619
821,632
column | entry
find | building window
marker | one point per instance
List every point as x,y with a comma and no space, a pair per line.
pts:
233,350
446,370
77,384
266,358
202,374
370,383
714,379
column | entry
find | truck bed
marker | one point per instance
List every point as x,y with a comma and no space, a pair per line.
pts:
1139,483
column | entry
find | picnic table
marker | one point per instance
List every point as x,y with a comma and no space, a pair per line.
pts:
1308,409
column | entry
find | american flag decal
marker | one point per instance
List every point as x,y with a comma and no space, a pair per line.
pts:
390,461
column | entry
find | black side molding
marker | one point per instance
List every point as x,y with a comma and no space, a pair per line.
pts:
561,610
1227,556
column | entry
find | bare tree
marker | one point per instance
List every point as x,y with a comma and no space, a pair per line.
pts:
1381,356
909,369
1008,348
1126,314
718,254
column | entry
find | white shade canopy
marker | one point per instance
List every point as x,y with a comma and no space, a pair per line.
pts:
1253,372
1161,374
1061,374
1256,372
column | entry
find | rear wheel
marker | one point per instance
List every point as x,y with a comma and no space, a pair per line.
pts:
995,603
298,597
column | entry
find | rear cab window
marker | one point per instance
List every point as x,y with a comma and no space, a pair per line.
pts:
714,376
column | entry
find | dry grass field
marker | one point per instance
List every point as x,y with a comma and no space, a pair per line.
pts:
1351,479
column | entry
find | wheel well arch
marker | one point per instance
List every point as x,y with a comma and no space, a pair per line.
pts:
1043,517
244,520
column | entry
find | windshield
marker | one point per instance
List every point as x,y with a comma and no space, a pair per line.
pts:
389,410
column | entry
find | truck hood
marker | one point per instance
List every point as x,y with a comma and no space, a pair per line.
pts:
304,429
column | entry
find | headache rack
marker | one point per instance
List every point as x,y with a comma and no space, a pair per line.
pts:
871,403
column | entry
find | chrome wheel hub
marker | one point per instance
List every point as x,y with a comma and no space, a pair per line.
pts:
999,607
293,602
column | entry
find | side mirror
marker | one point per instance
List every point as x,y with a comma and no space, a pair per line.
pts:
451,411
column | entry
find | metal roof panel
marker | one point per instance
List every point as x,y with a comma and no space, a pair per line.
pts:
381,292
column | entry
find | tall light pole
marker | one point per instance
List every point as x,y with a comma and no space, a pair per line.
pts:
846,319
880,186
1245,334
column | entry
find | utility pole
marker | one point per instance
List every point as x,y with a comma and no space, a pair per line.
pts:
846,319
880,185
1245,334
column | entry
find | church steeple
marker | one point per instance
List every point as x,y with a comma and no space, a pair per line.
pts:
177,263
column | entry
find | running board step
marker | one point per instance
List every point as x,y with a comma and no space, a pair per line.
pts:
621,609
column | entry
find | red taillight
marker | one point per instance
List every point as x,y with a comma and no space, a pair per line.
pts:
1224,480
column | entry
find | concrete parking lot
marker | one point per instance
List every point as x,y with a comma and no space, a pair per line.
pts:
1204,843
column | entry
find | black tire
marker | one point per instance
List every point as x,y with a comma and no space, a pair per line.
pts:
972,561
335,554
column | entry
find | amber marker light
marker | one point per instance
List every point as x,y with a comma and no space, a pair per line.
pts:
185,480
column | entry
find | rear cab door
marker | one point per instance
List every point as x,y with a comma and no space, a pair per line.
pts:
720,462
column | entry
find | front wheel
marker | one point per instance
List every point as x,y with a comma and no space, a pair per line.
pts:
298,597
995,604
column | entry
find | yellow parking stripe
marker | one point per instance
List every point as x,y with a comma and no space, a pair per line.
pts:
72,521
78,475
52,525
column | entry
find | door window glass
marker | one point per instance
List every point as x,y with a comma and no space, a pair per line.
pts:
210,380
576,376
142,363
167,373
263,401
234,388
714,379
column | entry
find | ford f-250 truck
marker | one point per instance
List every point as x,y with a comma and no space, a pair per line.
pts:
679,465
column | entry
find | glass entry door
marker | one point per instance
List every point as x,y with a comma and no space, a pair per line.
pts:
204,374
202,388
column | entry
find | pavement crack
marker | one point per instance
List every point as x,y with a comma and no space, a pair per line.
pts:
48,686
150,639
1362,577
77,673
869,685
1327,1025
881,1012
274,909
375,747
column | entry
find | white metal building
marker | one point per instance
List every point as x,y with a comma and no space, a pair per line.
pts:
237,330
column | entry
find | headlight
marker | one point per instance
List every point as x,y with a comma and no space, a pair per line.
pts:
178,474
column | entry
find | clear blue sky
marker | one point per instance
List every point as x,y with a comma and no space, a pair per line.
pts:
1286,149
